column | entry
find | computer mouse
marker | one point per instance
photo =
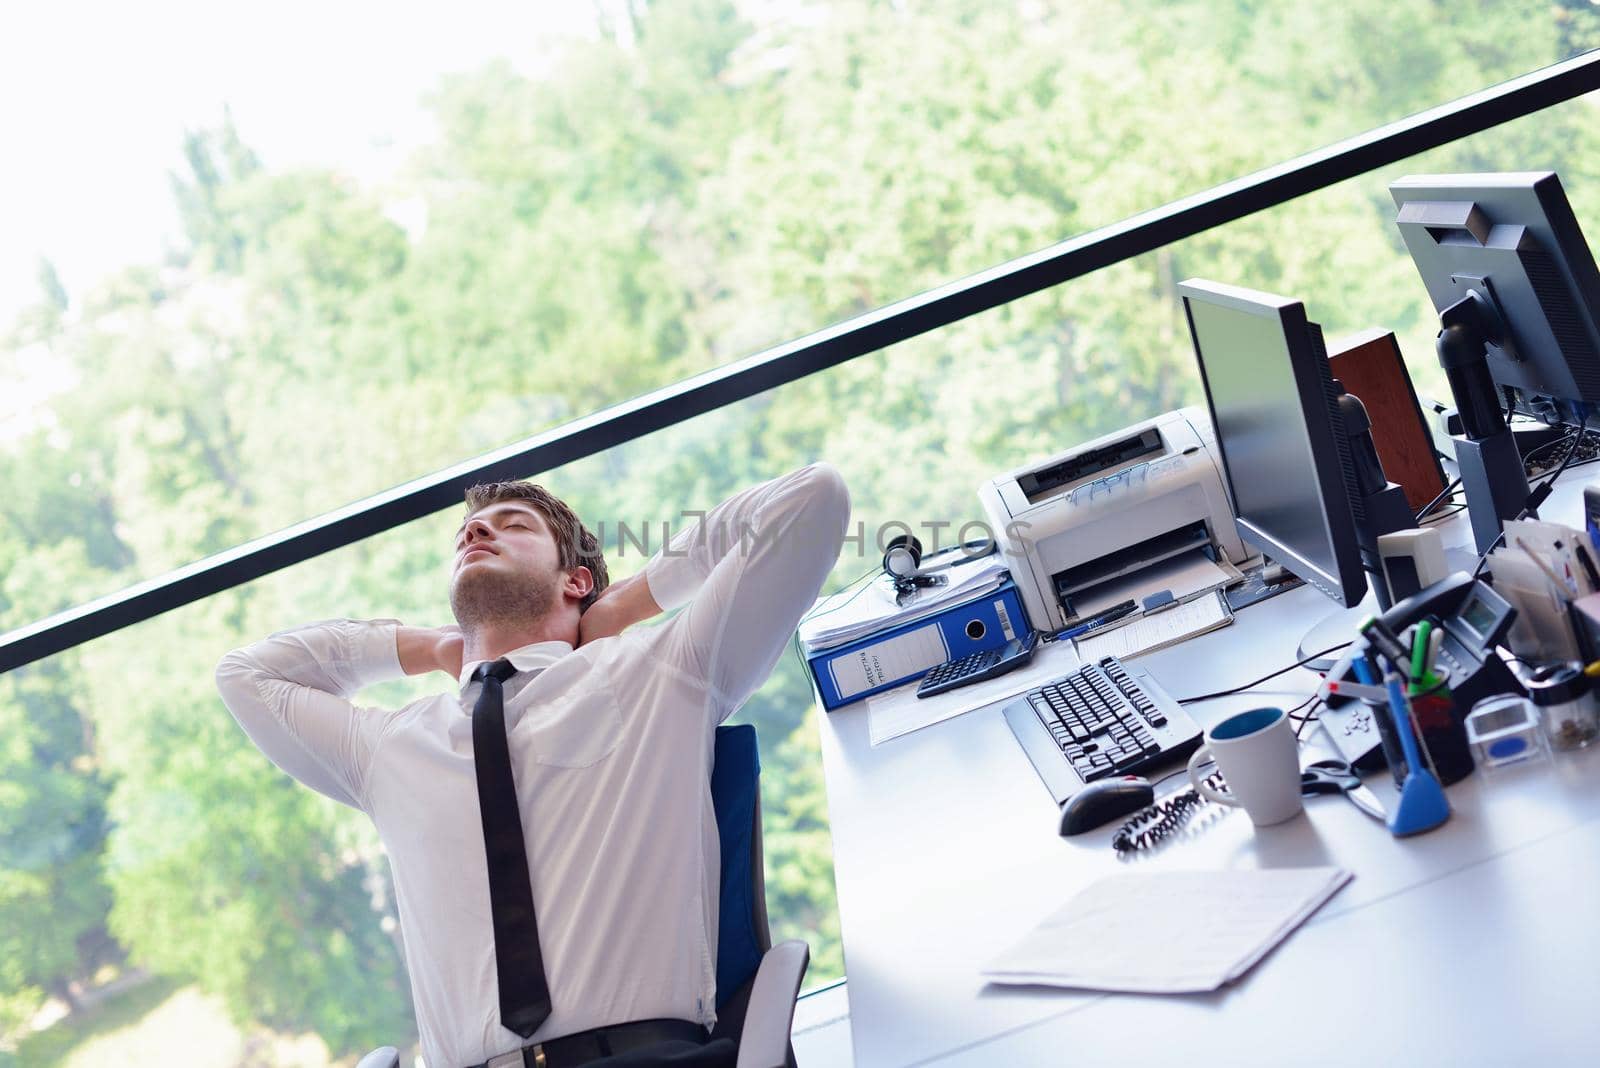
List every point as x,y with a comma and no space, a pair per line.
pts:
1101,802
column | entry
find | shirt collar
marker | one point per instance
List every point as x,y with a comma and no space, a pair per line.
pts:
533,657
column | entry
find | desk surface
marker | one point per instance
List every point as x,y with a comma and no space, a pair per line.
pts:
1475,943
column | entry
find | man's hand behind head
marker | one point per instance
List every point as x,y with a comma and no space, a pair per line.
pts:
619,606
425,649
447,651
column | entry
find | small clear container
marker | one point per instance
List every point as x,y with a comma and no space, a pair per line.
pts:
1505,730
1562,692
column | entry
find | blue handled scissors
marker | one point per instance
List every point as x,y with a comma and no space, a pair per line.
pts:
1338,777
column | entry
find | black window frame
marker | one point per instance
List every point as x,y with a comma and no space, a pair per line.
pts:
788,362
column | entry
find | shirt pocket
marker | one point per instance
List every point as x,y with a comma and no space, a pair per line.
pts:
576,731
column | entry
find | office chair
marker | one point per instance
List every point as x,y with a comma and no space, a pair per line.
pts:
757,982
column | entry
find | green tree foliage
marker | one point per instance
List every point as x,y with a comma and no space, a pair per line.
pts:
700,180
207,829
53,892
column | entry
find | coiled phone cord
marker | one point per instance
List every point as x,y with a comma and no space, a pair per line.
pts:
1147,828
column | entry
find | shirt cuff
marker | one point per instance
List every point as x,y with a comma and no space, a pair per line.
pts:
370,652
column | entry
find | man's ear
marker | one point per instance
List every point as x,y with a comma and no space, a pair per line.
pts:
580,580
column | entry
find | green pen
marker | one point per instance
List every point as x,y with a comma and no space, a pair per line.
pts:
1419,657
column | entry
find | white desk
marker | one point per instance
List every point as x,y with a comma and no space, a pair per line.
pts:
1478,943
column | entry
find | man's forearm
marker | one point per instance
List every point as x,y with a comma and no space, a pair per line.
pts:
622,604
291,693
632,601
425,649
749,572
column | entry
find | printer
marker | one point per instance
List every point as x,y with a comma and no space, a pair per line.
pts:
1100,513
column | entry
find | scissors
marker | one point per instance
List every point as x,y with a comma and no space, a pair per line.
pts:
1338,777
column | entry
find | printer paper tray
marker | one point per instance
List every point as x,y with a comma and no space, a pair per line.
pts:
1074,581
1184,576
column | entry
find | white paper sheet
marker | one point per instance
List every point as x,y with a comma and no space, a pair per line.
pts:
899,711
1167,932
858,612
1166,627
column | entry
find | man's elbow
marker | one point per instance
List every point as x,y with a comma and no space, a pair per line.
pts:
235,676
828,494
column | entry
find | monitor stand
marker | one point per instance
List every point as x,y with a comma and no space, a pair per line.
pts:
1332,630
1385,512
1486,454
1379,507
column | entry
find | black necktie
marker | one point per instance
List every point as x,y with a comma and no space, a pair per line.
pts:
524,995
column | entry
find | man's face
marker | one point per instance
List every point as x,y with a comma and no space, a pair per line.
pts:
506,566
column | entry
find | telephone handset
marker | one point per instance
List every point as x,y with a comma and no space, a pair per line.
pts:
1474,620
1470,611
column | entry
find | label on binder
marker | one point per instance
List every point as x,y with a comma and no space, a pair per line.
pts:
889,661
1005,619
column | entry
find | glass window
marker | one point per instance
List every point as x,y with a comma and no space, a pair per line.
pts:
260,265
612,209
163,881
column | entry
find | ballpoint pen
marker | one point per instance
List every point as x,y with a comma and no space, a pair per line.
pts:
1110,615
1589,570
1384,642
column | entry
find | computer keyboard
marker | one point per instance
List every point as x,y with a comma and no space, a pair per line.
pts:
1099,721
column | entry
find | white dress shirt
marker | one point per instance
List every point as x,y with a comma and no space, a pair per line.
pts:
611,748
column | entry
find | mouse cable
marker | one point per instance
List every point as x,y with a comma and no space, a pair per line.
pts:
1307,719
1264,678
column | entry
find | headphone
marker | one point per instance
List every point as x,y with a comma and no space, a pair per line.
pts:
902,562
901,558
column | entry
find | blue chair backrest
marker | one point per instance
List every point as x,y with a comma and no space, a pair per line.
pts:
735,788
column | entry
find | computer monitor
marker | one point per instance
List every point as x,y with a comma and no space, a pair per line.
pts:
1276,414
1512,240
1518,297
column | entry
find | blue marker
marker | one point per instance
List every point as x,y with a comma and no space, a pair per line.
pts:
1422,804
1591,515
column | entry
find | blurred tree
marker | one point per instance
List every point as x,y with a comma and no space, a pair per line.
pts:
53,892
700,180
1578,23
214,159
226,870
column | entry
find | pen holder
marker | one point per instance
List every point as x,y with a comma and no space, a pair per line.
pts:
1441,732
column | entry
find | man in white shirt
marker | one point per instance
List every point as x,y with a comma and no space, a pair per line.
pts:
609,732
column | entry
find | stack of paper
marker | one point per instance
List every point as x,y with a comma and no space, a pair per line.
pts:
1539,570
1167,932
858,613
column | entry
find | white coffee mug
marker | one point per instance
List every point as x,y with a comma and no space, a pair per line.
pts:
1257,755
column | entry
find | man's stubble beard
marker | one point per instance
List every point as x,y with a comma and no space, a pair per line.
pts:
480,597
